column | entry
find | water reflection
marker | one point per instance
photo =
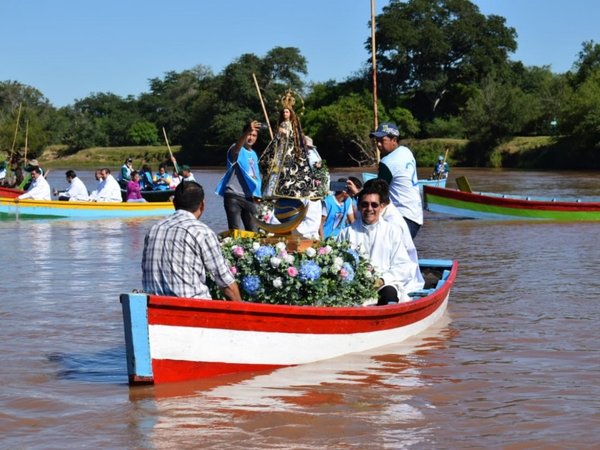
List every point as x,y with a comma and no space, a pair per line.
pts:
348,397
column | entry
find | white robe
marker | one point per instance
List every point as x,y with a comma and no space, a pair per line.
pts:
383,244
110,191
39,190
77,191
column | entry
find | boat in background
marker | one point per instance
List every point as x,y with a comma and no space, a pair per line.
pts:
13,208
171,339
485,205
153,195
366,176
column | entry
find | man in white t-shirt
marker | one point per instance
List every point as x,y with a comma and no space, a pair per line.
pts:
399,168
39,188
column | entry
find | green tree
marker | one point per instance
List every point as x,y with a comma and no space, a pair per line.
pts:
429,50
143,133
581,115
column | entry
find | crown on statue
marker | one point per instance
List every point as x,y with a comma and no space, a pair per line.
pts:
289,100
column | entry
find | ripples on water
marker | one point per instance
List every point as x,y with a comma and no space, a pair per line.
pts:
514,363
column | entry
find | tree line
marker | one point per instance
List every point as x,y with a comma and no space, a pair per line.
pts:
443,71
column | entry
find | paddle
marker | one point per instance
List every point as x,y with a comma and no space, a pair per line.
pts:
262,103
170,152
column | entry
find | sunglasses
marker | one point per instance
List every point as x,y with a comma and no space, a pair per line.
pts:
373,205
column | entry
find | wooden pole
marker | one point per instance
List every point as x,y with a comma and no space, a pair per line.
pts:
374,64
262,103
170,152
26,135
12,149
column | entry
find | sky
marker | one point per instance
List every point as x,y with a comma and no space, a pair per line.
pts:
70,49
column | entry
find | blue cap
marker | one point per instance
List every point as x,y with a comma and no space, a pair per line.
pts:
385,129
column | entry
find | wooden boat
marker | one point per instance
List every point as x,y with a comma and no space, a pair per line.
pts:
152,196
366,176
484,205
37,209
10,192
175,339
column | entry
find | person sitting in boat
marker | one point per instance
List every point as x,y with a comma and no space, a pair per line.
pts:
28,179
241,185
390,214
146,178
161,179
110,190
175,179
99,185
337,213
76,190
183,273
186,173
39,188
384,246
441,169
134,190
2,171
126,169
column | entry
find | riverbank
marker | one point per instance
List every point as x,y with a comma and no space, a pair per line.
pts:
537,152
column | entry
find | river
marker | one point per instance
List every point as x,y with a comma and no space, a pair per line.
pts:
514,363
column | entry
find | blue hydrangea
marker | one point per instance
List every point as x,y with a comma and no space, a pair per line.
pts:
251,284
348,268
264,251
309,271
353,253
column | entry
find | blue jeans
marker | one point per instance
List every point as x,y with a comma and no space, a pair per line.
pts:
240,212
413,227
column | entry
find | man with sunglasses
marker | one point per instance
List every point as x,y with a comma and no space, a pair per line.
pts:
383,244
399,168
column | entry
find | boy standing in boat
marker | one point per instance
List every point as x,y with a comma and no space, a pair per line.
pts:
241,184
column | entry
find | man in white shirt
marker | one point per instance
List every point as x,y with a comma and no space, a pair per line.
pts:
399,168
76,191
383,244
109,189
39,188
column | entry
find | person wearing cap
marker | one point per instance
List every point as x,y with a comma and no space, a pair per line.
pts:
186,173
126,170
180,251
241,185
76,190
28,179
337,212
399,168
441,169
39,188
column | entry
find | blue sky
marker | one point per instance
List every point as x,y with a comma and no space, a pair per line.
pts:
69,49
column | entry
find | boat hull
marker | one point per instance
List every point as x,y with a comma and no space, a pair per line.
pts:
37,209
152,196
174,339
479,205
10,192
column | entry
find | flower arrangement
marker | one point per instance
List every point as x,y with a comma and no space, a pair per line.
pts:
329,273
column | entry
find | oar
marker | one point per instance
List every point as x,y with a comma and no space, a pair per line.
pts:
262,103
170,152
26,136
12,149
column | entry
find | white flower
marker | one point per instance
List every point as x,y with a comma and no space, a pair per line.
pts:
277,283
338,261
255,246
275,261
328,249
368,274
289,259
310,252
280,246
227,240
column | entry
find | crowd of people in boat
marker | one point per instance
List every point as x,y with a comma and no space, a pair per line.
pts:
381,218
31,178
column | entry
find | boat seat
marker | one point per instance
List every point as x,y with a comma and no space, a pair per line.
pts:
420,293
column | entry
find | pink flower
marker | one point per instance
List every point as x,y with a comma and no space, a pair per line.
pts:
292,271
322,251
238,251
233,270
343,273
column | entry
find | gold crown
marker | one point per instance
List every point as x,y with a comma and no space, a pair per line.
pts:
289,100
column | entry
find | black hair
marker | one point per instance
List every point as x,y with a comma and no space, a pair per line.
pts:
189,195
370,189
70,174
382,188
